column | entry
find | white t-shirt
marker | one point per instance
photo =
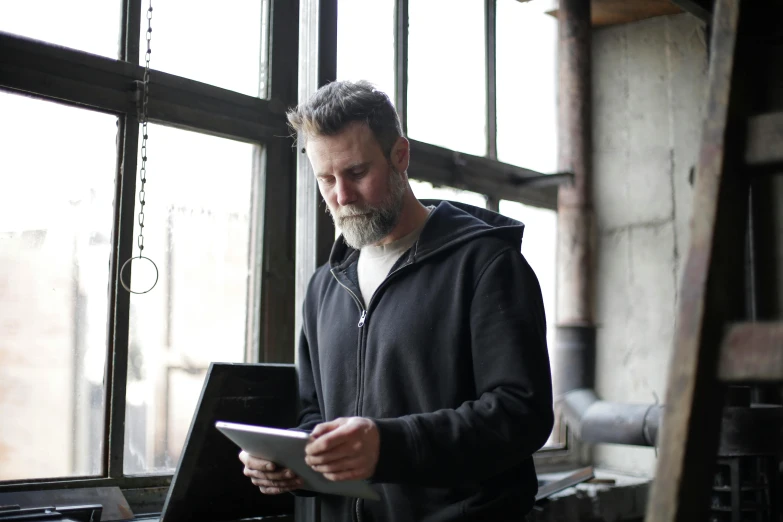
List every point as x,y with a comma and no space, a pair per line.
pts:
376,261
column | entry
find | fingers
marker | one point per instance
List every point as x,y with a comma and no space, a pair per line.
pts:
326,427
330,440
352,474
256,463
288,485
345,448
341,465
274,490
270,478
282,474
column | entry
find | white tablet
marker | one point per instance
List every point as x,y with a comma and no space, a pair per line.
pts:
287,448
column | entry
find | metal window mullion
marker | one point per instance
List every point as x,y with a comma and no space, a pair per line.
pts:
119,299
129,35
490,10
128,482
317,66
401,61
271,318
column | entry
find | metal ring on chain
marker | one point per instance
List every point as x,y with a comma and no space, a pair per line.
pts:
143,170
128,263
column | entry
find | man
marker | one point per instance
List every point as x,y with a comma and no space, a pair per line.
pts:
423,364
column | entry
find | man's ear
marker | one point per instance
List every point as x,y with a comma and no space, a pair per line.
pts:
400,154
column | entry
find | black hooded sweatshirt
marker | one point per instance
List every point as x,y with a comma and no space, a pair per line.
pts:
449,358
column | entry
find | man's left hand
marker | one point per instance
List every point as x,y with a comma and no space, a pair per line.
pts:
344,449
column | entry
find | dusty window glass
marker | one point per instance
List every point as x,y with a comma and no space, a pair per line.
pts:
91,25
365,42
222,44
197,230
447,75
539,246
56,214
526,84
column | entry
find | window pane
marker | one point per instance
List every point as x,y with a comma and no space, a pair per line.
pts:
365,42
58,175
539,246
197,231
424,190
446,74
526,89
222,44
90,25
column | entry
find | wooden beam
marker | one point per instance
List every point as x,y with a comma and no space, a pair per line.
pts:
752,352
711,293
613,12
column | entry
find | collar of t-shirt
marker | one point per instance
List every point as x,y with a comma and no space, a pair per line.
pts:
376,261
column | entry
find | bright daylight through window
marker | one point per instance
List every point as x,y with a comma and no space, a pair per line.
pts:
56,230
55,243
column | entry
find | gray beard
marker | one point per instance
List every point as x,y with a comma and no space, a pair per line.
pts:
363,225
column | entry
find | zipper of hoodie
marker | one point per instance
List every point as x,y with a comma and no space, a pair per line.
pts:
360,362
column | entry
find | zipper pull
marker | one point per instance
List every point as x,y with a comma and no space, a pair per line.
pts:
362,318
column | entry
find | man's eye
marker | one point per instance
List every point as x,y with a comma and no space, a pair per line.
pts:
326,181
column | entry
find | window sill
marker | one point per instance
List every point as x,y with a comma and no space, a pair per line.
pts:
623,500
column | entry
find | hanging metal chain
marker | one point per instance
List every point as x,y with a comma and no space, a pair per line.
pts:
143,118
146,96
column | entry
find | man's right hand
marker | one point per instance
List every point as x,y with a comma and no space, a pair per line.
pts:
270,478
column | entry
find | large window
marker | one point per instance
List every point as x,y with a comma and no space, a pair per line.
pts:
526,84
95,26
55,230
365,42
446,74
81,355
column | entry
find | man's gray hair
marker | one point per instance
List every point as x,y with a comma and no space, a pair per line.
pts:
335,105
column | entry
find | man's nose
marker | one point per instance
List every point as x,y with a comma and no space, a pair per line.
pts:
346,193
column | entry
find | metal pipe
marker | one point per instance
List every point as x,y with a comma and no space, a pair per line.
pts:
573,357
603,422
574,155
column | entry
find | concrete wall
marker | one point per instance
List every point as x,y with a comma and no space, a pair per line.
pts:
649,84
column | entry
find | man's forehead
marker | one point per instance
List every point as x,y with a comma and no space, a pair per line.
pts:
349,146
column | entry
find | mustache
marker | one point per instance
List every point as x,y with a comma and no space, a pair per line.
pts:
349,211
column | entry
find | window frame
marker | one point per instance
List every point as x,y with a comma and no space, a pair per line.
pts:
72,77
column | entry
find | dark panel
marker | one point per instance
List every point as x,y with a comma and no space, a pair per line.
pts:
764,137
752,352
208,484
